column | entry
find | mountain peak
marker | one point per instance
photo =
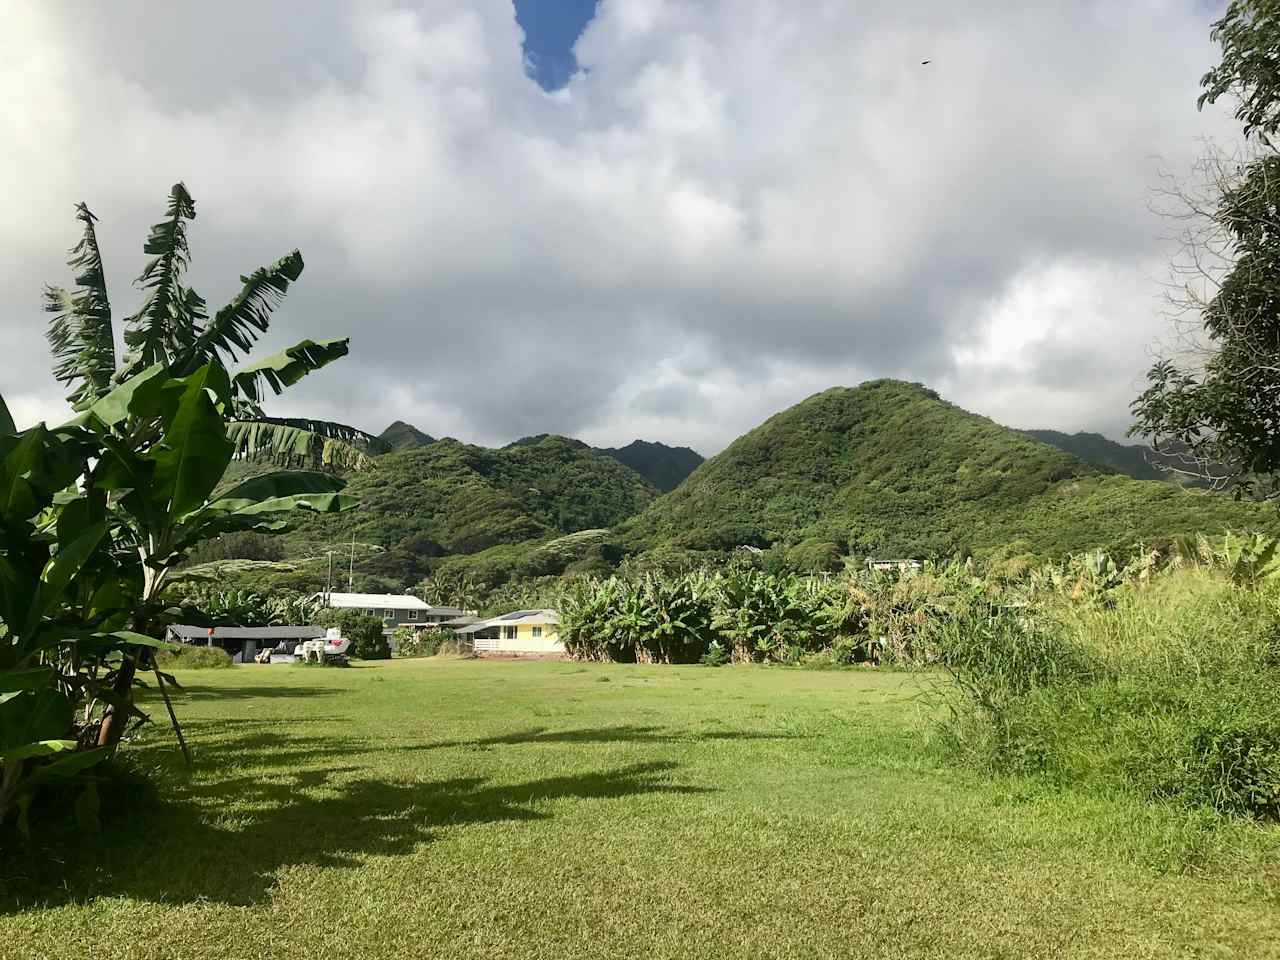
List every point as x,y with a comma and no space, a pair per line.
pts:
663,466
547,438
401,436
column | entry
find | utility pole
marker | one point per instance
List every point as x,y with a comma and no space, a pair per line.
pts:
351,573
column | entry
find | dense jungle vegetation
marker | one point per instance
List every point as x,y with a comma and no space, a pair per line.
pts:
890,469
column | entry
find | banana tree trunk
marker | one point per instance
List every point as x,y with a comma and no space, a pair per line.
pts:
8,784
115,720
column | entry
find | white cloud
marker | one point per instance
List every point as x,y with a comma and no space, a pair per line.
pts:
740,204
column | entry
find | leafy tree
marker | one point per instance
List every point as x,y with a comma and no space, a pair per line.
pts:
178,416
246,608
1249,34
1219,401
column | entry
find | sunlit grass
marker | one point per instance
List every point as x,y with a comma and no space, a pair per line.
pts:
430,808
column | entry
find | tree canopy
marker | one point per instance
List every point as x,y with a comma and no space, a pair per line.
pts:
1219,400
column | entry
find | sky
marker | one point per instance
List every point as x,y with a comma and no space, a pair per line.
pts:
653,219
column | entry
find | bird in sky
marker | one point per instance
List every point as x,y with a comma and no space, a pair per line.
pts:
925,63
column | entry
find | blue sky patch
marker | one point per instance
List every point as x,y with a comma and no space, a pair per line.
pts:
551,28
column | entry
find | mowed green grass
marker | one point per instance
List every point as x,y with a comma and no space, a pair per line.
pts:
494,809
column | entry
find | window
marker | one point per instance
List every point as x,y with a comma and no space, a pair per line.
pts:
413,614
509,633
537,633
388,614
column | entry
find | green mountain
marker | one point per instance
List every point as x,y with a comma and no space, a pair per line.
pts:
401,435
1129,459
1132,459
424,503
890,469
663,466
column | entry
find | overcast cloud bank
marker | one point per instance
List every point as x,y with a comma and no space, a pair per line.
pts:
741,203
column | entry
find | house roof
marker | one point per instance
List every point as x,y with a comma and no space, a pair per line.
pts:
384,601
477,627
463,621
185,631
515,618
447,611
525,616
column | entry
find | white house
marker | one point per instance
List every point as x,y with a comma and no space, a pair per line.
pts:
395,609
522,631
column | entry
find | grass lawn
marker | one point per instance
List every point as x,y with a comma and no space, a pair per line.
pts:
561,810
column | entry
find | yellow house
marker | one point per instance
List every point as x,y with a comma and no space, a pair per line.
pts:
522,631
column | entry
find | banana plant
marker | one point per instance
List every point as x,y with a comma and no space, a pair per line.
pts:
1250,559
93,520
172,332
59,590
96,514
167,445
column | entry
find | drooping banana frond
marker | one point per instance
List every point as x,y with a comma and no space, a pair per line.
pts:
295,442
171,315
80,331
287,367
7,427
237,325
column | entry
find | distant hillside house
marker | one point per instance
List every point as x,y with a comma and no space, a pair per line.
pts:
898,565
395,609
522,631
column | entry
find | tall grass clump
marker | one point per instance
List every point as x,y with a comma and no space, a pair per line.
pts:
1168,686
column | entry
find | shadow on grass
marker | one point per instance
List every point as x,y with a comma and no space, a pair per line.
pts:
192,691
181,850
622,734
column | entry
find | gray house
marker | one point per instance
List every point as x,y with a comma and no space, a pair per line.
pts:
243,643
394,609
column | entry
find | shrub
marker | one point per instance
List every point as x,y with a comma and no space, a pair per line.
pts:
421,643
191,657
1215,742
368,642
716,656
